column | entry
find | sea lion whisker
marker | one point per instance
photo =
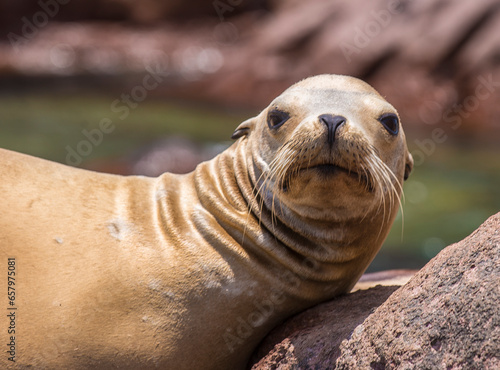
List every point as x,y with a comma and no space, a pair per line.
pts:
385,176
277,169
260,193
387,171
380,181
388,174
395,190
256,193
280,167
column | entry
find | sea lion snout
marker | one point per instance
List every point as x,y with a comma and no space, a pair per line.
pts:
332,123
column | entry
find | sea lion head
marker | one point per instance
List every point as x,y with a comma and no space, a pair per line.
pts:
329,148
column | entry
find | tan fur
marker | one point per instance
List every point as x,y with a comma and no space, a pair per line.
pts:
191,271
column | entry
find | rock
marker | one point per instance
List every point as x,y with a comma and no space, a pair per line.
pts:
446,317
386,278
312,338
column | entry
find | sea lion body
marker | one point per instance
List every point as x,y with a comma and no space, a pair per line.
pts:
100,282
191,271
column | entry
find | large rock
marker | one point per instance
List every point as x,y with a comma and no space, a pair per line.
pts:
312,339
446,317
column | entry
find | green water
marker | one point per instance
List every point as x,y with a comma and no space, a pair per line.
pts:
46,126
447,197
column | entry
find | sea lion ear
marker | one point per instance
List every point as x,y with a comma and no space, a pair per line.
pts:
244,128
408,166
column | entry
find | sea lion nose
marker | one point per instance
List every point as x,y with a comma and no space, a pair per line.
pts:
332,123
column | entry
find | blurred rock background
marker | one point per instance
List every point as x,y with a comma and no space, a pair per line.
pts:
152,86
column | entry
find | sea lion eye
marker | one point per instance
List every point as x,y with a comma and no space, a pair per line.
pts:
276,118
391,123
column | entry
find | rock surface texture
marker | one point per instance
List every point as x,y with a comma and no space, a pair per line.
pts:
446,317
311,339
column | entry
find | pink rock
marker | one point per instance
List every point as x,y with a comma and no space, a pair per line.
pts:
445,317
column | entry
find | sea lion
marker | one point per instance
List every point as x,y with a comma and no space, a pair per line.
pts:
191,271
